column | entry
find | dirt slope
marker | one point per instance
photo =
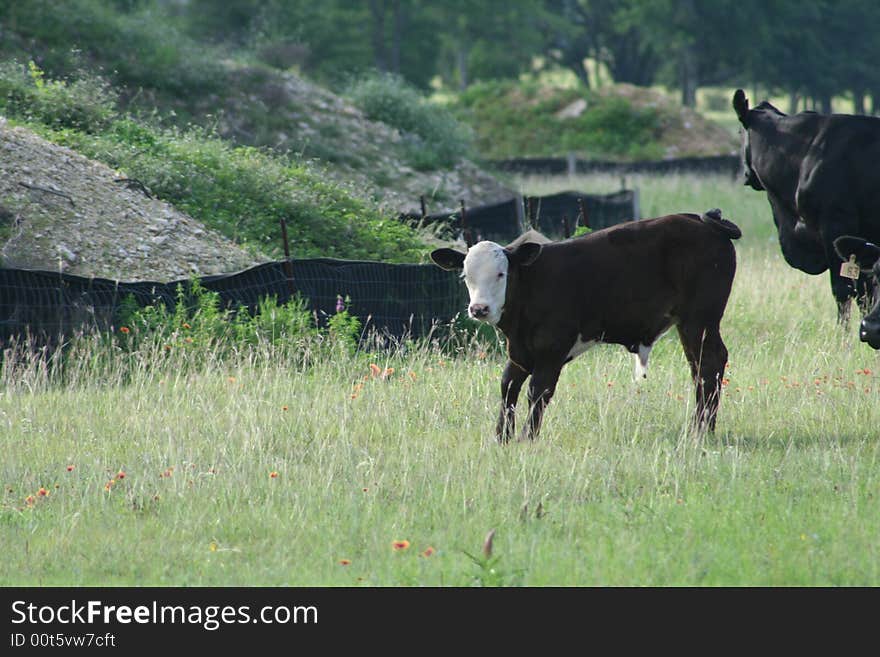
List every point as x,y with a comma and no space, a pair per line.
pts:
62,211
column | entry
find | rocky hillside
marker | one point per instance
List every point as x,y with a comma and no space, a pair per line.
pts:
283,111
62,211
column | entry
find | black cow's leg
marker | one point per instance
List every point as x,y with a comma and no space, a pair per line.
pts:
511,383
541,389
865,290
707,356
843,289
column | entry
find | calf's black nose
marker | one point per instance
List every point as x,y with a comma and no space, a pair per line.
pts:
478,310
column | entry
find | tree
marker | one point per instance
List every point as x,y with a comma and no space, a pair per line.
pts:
699,42
487,39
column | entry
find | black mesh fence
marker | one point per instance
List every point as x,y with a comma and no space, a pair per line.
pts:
558,214
498,222
711,164
504,222
396,300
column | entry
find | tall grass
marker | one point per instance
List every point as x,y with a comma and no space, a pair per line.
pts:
377,447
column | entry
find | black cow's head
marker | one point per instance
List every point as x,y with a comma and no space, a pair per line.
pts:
741,107
488,269
868,258
750,118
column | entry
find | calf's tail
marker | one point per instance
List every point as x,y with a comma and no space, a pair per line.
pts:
728,228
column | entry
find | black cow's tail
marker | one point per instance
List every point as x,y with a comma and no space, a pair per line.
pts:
728,228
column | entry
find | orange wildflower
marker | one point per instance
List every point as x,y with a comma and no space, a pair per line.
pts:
124,329
375,370
70,468
273,475
284,408
42,492
397,546
29,500
345,562
231,379
186,325
120,474
428,551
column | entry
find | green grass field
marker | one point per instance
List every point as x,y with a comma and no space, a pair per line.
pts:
614,493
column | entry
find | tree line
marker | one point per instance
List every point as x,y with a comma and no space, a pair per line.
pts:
809,50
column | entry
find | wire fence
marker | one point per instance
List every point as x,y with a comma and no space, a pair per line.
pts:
712,164
395,300
556,215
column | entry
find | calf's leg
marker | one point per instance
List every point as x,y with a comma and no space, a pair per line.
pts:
707,356
511,383
541,389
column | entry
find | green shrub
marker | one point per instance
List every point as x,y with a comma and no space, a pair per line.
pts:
199,327
86,104
138,48
432,136
515,119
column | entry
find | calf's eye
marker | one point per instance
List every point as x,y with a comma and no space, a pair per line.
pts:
500,274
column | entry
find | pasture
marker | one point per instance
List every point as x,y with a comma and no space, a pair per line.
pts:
249,471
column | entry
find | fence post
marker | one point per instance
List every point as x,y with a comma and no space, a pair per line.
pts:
288,267
530,211
583,206
520,214
423,206
466,231
571,163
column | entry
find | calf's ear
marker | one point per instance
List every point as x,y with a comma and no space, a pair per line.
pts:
865,252
524,254
741,107
448,259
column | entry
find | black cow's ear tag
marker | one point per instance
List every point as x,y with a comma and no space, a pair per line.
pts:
850,269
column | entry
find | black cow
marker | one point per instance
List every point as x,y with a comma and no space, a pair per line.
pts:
625,285
867,257
822,180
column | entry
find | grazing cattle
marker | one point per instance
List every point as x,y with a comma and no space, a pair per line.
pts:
627,284
822,180
867,257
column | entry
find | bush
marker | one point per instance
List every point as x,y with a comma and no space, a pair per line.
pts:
516,119
138,48
198,326
86,104
432,137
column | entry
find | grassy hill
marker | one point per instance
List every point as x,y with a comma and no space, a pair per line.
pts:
620,122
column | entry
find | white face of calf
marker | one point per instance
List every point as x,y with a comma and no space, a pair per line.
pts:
485,274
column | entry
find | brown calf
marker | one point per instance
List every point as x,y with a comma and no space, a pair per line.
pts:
624,285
